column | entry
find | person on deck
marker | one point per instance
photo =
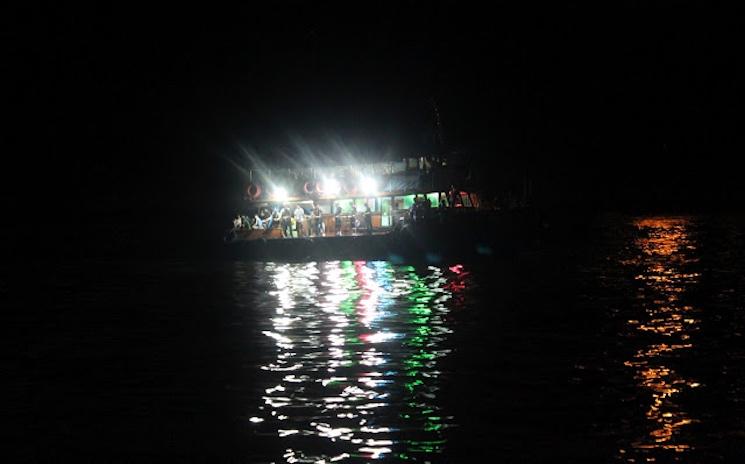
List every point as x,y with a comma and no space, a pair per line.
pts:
337,220
273,217
317,220
299,219
414,210
443,200
258,222
285,221
441,212
353,219
368,218
266,218
454,197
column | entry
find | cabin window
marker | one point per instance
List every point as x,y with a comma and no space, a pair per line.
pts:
346,205
434,198
386,212
465,199
404,202
324,206
360,204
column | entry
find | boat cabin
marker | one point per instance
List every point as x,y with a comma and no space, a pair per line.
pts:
350,200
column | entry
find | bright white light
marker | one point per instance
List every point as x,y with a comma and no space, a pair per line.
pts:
280,194
368,186
331,187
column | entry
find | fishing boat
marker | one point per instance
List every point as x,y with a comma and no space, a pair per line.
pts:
417,208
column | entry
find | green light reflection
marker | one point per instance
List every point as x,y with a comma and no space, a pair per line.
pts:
354,373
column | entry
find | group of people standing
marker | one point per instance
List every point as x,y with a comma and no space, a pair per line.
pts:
296,222
421,209
355,221
303,224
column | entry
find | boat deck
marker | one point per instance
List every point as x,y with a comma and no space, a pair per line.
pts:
276,234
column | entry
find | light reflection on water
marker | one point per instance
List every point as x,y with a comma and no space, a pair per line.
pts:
663,252
354,371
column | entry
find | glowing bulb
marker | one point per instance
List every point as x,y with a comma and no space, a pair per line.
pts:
331,187
280,194
368,186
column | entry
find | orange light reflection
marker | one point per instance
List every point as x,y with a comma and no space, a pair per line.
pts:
665,250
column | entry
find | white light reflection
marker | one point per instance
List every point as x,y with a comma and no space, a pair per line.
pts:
362,342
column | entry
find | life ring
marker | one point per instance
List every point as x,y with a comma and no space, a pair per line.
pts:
319,188
309,187
254,191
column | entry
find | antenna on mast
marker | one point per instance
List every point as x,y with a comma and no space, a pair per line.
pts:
439,145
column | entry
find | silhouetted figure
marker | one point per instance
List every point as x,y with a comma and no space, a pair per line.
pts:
441,211
299,219
267,217
368,219
413,209
285,221
316,220
353,219
443,200
337,220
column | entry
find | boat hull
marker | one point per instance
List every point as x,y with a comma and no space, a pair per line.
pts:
459,237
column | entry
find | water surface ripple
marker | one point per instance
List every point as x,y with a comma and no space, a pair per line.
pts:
353,371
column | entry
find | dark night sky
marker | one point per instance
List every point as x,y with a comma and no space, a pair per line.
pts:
134,113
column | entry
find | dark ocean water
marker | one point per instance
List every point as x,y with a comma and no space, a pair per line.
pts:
624,344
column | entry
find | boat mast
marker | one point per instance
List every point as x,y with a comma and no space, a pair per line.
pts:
438,140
